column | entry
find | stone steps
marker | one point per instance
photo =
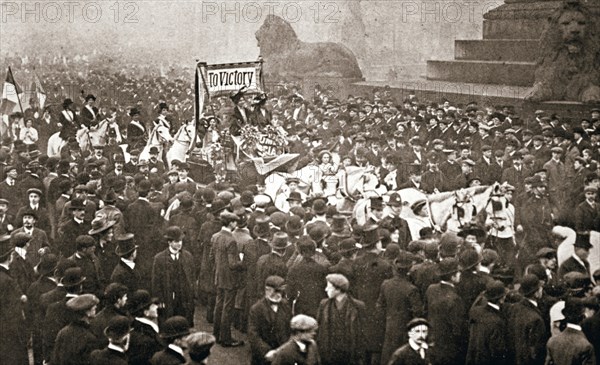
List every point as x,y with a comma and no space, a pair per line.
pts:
519,50
482,72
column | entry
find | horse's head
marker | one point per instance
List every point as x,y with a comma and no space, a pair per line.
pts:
161,134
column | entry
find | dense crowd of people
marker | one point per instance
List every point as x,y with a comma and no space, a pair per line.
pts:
105,257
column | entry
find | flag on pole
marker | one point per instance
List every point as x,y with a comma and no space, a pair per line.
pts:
40,93
11,94
202,94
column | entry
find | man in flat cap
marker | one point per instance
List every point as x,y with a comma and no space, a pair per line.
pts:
39,238
268,323
20,268
199,345
76,341
34,199
417,351
301,348
556,174
587,213
342,319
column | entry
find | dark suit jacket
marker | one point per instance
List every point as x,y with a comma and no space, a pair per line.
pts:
13,342
108,357
167,357
405,355
125,275
587,218
144,343
289,354
306,283
370,272
74,344
400,301
39,239
448,319
488,337
571,264
470,286
143,221
229,267
570,347
22,272
591,328
527,333
162,282
267,330
68,233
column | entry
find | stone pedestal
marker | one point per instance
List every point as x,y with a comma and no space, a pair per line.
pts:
507,53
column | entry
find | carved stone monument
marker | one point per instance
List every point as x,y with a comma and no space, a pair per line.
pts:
286,56
568,67
547,45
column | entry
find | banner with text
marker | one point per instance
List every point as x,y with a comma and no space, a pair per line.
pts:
224,78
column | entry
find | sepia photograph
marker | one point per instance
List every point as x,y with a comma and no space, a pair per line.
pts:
300,182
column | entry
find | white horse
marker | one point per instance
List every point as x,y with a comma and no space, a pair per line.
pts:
159,136
87,138
182,143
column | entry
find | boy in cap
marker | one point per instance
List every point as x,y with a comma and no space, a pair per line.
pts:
301,348
268,324
417,350
342,320
76,341
587,212
199,345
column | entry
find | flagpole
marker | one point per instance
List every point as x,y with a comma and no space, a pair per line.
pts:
16,91
19,100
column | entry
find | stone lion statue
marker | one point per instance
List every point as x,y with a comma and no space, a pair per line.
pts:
287,56
568,67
